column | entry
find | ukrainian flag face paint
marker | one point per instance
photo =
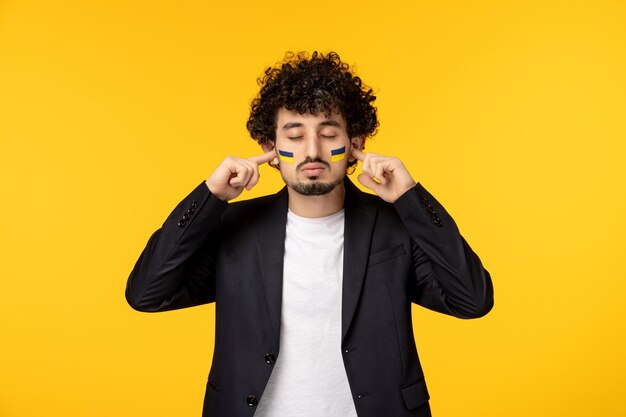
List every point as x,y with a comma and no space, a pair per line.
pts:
337,154
285,156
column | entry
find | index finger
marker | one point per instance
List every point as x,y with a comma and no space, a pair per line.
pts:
358,154
261,159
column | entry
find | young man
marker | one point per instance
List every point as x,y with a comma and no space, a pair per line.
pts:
313,285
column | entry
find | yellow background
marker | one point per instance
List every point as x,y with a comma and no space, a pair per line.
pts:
512,113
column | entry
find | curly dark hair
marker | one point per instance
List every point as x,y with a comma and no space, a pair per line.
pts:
315,84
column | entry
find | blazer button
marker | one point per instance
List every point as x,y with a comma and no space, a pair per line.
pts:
181,224
252,400
185,217
270,358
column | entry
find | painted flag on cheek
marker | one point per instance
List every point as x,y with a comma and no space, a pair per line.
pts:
337,154
285,156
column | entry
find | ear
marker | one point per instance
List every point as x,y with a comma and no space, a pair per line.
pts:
356,142
268,146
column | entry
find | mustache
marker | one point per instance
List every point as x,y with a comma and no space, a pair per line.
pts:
310,160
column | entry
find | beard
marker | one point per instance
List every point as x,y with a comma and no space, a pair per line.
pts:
314,187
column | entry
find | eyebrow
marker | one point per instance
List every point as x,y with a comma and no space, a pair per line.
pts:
291,125
330,123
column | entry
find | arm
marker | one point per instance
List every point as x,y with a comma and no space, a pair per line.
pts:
177,267
449,276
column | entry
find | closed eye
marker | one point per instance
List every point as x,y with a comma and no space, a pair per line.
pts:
328,137
294,137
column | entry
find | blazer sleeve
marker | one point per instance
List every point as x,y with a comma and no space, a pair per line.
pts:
177,267
449,276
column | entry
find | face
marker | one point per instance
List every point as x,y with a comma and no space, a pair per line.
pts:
313,150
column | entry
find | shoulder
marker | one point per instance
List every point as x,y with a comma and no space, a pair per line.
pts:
258,203
246,211
357,198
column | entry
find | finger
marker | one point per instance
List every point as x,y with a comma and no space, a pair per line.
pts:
250,180
248,164
369,164
368,182
261,159
240,180
236,181
242,177
254,179
358,154
379,173
367,167
252,174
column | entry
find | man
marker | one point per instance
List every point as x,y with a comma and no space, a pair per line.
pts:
313,285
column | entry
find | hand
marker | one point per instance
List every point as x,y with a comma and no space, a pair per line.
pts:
233,174
385,175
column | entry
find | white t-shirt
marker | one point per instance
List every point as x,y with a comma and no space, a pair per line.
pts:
309,378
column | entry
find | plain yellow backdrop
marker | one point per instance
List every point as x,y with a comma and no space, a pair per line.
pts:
512,113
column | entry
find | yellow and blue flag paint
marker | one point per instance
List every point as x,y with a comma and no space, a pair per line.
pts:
337,154
285,156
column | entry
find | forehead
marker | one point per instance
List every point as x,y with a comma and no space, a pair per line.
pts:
293,118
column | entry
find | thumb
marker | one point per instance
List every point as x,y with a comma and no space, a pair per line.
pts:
368,182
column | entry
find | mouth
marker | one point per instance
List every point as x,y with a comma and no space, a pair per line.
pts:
312,170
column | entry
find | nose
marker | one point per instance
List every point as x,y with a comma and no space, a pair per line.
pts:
313,147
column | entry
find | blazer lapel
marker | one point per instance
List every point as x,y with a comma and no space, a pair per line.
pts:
360,215
270,228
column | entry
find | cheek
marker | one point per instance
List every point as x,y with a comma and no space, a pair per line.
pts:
338,154
286,152
285,156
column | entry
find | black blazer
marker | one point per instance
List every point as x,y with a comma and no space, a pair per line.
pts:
232,253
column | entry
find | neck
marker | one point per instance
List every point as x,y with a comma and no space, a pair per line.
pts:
317,205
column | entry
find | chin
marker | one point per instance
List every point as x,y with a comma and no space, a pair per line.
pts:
314,187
